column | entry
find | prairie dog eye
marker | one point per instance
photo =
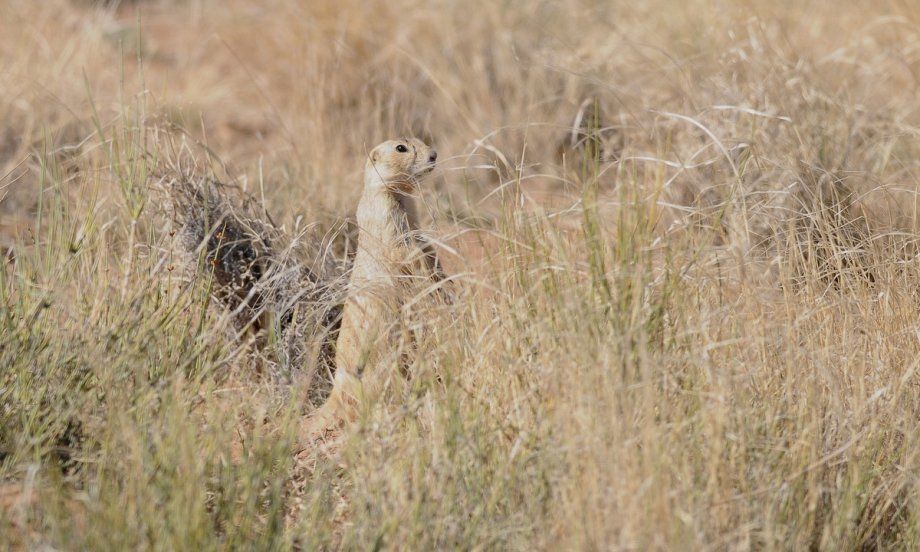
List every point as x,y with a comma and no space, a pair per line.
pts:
401,148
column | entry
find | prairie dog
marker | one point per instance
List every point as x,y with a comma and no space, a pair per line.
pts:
393,263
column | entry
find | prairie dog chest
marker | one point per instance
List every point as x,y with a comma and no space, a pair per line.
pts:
390,246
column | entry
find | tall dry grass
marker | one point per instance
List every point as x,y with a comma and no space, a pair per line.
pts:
690,325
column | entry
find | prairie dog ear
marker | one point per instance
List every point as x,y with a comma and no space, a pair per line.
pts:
375,155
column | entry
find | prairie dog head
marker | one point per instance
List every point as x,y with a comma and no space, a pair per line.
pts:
400,164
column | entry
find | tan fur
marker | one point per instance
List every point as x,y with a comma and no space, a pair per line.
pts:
393,262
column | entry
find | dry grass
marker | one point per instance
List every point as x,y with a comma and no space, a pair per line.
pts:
692,324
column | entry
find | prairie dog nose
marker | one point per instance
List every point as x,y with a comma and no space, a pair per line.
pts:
433,156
